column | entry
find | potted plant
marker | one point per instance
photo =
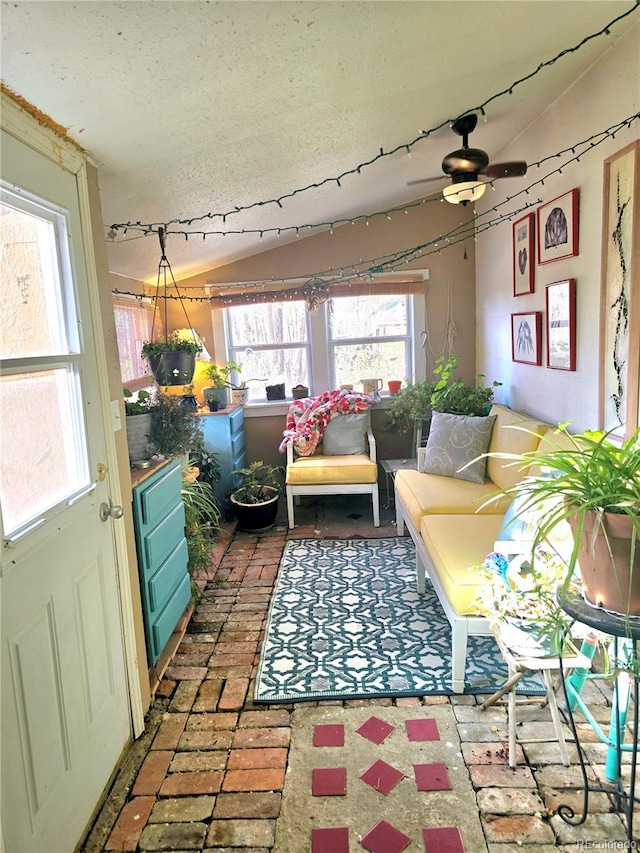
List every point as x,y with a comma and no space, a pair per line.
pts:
219,376
255,500
138,425
172,361
593,483
174,429
202,526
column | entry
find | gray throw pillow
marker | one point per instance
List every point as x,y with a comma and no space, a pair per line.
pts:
455,440
344,435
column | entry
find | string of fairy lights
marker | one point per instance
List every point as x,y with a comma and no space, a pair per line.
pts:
315,286
150,228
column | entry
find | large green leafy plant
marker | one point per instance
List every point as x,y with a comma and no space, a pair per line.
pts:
455,395
258,482
174,429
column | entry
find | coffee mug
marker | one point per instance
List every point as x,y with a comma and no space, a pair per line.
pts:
370,386
394,385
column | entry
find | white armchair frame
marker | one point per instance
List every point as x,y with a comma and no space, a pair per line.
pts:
296,490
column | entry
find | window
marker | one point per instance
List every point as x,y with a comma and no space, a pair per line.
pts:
134,319
272,343
347,339
40,389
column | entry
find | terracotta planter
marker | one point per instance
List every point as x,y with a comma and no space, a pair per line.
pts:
173,367
256,518
610,573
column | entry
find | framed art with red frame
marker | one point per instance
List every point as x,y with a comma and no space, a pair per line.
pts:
523,255
558,228
526,337
561,324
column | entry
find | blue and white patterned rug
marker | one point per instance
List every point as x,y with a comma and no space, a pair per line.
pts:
346,621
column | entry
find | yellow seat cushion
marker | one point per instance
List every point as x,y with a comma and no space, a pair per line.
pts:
455,544
323,470
432,493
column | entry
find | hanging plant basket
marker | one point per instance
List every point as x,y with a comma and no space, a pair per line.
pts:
173,367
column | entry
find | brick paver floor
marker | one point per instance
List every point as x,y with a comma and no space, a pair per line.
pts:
209,771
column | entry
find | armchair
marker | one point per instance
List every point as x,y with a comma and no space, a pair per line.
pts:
343,464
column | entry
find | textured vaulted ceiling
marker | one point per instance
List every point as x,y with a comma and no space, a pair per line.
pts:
196,107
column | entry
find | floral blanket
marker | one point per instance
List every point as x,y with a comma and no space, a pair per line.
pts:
307,418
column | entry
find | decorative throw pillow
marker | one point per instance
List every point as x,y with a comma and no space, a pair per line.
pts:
344,435
454,441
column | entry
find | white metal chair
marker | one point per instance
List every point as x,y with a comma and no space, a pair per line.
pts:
335,473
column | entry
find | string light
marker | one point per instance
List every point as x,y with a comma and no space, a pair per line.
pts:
605,31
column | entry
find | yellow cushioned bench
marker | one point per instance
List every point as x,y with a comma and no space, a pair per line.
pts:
452,531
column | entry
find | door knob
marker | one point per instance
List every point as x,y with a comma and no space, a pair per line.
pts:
110,510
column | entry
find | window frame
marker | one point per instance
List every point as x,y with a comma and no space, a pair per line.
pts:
321,375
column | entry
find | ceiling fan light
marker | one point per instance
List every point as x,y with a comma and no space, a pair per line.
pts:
464,192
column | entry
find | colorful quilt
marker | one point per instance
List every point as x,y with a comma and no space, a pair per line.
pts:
307,418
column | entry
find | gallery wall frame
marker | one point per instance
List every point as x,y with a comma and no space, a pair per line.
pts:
557,228
526,337
523,249
560,300
619,396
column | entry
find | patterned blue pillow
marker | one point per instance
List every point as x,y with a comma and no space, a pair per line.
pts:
454,441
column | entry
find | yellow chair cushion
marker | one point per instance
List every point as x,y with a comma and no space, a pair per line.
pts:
432,493
323,470
455,544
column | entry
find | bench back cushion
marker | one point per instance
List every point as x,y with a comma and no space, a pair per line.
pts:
512,433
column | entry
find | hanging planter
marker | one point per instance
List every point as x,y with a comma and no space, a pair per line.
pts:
173,359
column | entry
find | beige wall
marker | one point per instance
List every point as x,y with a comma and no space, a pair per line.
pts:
607,93
349,243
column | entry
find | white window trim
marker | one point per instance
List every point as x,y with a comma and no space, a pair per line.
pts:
320,352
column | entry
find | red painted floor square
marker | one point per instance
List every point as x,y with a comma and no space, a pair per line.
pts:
329,782
385,838
442,839
422,730
375,730
328,735
332,840
382,776
432,777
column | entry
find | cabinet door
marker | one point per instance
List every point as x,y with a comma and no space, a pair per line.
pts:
224,436
162,555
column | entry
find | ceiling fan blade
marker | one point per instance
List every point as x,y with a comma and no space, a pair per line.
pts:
511,169
426,180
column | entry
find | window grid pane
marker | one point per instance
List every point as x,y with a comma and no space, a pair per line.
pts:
133,326
31,301
39,411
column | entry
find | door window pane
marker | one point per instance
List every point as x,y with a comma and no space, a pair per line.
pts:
31,300
43,458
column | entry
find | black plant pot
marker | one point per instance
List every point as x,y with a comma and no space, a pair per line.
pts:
188,401
173,367
256,518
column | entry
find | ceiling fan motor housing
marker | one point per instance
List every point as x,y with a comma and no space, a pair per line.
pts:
465,162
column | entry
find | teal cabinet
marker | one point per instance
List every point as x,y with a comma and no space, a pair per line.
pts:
224,436
158,515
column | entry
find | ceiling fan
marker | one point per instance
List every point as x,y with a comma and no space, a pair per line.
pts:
467,166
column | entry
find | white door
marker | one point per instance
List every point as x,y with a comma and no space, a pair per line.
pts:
65,715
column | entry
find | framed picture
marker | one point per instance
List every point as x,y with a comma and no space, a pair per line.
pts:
561,324
526,337
558,228
523,249
620,308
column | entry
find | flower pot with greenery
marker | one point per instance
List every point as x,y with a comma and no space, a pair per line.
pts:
138,425
593,483
174,430
411,407
255,501
220,382
172,361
